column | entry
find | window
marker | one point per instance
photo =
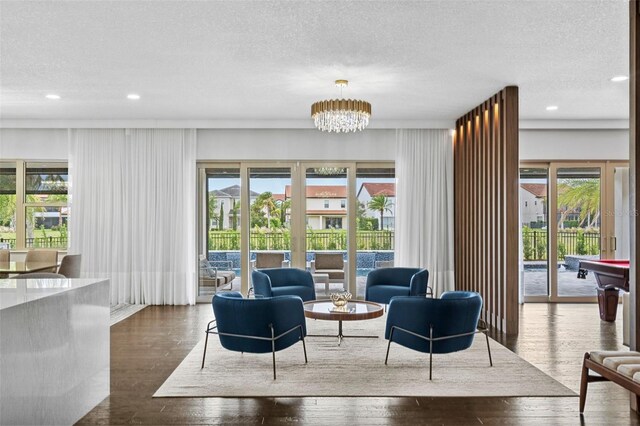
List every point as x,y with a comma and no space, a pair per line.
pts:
343,204
33,205
333,222
7,205
326,204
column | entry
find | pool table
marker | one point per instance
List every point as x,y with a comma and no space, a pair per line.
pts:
611,276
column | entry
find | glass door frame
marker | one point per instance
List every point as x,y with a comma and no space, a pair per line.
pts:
202,238
607,228
547,167
298,211
350,167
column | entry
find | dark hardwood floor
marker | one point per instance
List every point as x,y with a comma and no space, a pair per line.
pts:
148,346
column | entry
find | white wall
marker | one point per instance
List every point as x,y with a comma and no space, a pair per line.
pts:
34,144
587,144
310,144
295,144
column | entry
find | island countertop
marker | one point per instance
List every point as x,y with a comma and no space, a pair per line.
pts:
15,292
54,349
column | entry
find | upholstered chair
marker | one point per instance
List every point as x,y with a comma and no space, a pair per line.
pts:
385,283
70,266
435,326
265,260
258,326
283,281
43,256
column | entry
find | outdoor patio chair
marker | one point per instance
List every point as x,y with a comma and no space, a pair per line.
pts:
70,266
283,281
257,325
385,283
269,260
216,273
435,326
43,256
332,264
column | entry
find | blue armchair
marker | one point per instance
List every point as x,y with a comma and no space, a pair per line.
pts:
436,326
385,283
283,281
257,325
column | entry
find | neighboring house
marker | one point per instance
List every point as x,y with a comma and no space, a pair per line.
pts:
369,190
533,203
225,197
326,206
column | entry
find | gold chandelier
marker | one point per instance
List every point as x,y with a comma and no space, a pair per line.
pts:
341,115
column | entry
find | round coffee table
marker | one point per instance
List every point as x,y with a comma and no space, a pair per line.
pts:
354,311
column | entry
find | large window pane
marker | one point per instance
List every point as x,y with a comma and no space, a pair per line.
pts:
326,224
222,270
621,215
578,221
375,220
46,227
46,183
270,217
7,205
535,230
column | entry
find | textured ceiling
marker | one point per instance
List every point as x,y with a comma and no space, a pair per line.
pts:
413,60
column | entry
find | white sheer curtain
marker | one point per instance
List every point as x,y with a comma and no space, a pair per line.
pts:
424,204
132,202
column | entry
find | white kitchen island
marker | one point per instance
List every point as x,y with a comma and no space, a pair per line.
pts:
54,349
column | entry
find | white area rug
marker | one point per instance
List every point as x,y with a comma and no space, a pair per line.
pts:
357,369
123,311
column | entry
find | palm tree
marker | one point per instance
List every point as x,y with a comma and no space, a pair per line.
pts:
380,203
580,195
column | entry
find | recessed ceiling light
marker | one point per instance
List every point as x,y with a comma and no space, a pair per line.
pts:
619,78
133,96
52,96
552,108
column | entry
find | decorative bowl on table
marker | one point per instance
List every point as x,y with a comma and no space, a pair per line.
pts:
340,300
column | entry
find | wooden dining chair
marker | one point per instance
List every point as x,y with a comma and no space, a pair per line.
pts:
5,255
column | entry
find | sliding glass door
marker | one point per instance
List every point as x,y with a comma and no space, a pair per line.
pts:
570,212
305,215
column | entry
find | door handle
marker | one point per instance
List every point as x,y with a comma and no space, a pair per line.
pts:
614,243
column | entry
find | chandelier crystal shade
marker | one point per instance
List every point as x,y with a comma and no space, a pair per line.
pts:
341,115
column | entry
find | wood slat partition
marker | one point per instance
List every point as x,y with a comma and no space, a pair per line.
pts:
634,176
486,207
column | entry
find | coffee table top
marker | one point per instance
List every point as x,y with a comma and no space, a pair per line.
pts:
355,310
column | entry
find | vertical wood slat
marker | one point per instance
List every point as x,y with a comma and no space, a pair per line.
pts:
486,207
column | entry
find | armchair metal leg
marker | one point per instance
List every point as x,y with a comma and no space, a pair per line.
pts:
488,349
430,350
304,346
273,350
206,340
386,358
